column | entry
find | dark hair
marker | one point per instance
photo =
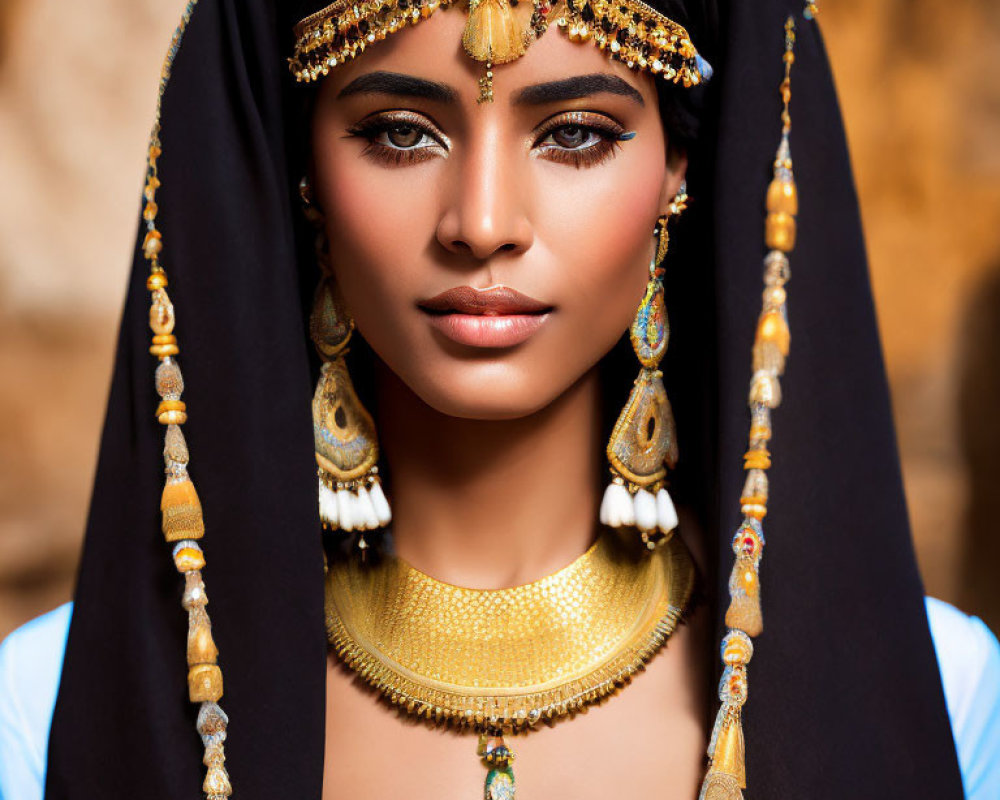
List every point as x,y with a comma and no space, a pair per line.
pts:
681,108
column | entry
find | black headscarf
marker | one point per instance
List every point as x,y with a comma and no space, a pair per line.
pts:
845,695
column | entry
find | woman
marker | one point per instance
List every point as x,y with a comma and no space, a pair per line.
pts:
426,174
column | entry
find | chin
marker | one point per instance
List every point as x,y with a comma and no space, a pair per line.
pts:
486,392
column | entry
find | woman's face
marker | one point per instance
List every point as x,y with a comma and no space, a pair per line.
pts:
425,190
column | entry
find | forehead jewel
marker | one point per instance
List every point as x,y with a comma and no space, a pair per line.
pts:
498,31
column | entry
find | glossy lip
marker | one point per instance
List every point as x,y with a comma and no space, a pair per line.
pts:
496,317
495,300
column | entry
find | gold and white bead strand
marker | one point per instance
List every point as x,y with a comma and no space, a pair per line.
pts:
182,520
726,775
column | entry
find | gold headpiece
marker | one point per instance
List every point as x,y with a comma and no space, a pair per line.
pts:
499,31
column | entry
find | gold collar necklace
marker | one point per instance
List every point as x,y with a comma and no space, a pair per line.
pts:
499,661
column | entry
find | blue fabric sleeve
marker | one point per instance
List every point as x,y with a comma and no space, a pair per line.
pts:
30,665
969,659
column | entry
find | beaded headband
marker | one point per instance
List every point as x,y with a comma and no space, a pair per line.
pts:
498,31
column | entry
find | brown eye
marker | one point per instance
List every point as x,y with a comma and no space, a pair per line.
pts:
404,135
579,138
398,138
570,136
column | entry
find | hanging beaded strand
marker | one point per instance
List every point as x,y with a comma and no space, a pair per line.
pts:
726,775
183,523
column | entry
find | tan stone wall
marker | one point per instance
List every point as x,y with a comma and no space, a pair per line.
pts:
77,93
922,105
920,90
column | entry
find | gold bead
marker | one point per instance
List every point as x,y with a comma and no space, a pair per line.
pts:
756,459
171,412
163,350
201,647
188,559
149,212
181,507
783,196
774,296
161,319
171,405
773,328
779,231
737,651
205,683
152,245
217,783
760,432
156,280
765,390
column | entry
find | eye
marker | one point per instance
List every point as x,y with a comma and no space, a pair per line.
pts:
575,136
580,138
399,137
403,135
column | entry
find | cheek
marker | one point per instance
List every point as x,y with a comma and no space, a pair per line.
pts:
377,221
604,247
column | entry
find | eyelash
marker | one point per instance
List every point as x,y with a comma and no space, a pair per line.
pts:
604,127
591,155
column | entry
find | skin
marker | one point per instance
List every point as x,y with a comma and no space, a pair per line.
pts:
496,454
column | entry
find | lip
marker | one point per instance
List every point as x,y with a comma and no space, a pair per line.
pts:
495,300
496,317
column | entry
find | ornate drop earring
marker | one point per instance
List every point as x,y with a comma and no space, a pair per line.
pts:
644,441
350,492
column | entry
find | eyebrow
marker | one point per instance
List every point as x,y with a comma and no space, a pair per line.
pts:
397,83
574,88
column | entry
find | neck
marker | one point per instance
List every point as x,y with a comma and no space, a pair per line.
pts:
491,503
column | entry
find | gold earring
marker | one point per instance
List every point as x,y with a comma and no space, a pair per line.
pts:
346,444
643,443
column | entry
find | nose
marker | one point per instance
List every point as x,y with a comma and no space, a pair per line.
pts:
486,211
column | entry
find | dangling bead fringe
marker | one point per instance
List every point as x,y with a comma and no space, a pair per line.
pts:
643,509
182,520
726,776
352,506
727,771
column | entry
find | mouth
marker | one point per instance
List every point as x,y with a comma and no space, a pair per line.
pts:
496,317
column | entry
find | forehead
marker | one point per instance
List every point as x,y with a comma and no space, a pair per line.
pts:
432,50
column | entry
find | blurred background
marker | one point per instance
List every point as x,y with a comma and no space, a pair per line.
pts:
921,97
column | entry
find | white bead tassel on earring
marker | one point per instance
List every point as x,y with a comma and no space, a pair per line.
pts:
643,509
352,506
